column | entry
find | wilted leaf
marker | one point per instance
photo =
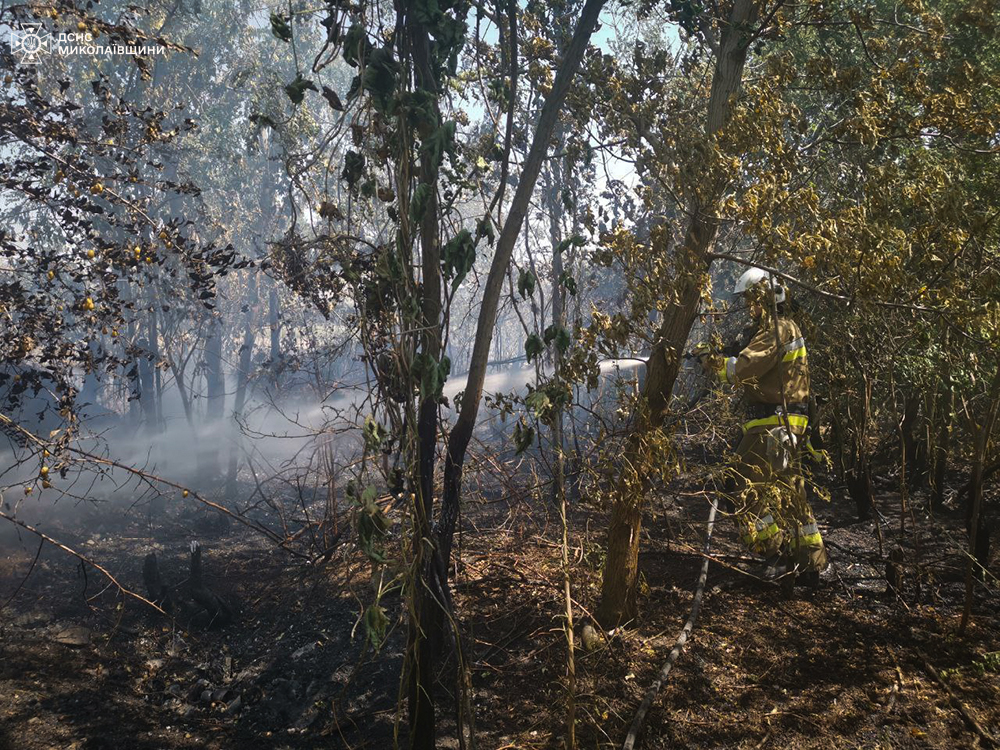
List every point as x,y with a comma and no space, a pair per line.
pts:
296,90
533,347
280,27
525,283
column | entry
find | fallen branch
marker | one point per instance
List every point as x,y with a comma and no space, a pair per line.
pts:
661,678
957,703
81,558
151,480
41,543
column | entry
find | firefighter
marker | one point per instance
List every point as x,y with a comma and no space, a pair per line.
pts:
768,490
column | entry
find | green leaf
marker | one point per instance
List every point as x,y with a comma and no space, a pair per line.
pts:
567,198
560,335
280,27
356,45
533,347
576,239
354,168
458,257
418,204
296,90
485,229
524,436
538,402
525,283
430,374
376,624
569,282
374,434
440,141
372,524
380,76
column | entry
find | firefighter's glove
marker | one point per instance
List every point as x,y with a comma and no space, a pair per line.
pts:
818,456
707,357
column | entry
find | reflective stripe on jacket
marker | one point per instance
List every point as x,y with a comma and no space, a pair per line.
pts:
768,362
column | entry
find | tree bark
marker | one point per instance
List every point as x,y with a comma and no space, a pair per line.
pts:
426,621
618,593
215,387
274,324
942,444
982,443
242,379
913,453
942,447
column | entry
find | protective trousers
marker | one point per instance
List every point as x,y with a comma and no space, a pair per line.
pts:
771,510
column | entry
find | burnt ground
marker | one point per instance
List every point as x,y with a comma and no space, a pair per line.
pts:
83,667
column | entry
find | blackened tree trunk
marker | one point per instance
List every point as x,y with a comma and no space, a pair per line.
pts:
942,444
982,440
426,623
914,452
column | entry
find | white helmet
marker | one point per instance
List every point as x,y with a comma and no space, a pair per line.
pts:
753,276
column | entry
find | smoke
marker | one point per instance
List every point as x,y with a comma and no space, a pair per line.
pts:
287,434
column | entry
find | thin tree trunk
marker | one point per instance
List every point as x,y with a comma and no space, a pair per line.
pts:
913,455
425,623
558,456
942,445
215,388
242,379
274,323
461,433
558,320
982,443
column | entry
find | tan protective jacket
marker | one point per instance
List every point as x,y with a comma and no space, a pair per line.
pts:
770,361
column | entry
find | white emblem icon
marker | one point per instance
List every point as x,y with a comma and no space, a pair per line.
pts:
29,41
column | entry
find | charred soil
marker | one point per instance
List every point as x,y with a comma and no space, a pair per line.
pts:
854,664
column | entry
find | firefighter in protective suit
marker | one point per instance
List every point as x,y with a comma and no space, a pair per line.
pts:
769,492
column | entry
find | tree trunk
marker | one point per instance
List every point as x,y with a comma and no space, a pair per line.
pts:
555,177
274,323
982,436
942,447
618,593
215,389
461,433
558,320
859,484
913,454
426,623
242,378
